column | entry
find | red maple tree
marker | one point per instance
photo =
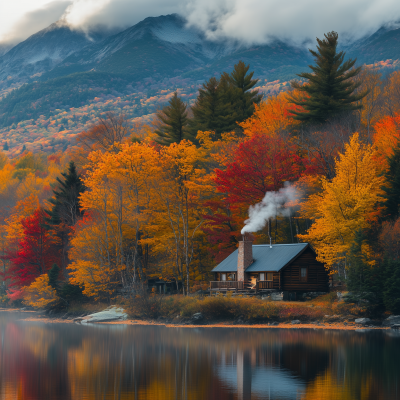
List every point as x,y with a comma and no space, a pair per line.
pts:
259,165
36,251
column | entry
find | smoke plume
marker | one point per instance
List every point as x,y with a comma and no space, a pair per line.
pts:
273,204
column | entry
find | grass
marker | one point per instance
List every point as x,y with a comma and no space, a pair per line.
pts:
231,308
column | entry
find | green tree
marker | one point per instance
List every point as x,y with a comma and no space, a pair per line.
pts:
66,210
392,188
224,102
66,204
210,112
330,87
364,278
53,273
391,294
173,120
243,97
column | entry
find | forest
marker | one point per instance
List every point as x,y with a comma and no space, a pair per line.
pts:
167,200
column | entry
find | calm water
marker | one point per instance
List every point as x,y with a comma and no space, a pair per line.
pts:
68,361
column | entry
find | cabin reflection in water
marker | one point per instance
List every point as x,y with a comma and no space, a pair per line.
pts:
283,374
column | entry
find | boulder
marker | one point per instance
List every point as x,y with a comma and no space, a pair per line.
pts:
197,317
295,322
277,296
112,313
362,321
392,320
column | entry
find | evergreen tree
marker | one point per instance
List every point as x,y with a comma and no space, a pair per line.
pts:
66,204
243,98
53,273
391,294
210,112
5,146
222,103
329,89
174,122
364,280
392,189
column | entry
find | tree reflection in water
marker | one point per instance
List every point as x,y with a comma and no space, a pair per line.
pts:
68,361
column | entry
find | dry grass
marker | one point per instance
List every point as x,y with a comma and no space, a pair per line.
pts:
233,307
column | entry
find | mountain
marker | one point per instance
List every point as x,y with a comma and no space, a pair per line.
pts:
42,51
165,46
71,78
383,45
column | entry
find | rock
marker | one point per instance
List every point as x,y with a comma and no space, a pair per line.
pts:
277,296
197,317
295,322
112,313
392,320
362,321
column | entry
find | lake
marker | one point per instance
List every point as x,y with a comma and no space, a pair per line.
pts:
69,361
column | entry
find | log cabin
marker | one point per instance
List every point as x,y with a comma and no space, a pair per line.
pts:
289,268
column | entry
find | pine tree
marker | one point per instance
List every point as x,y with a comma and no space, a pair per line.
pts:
392,189
391,294
65,210
224,102
329,90
243,99
210,112
364,280
66,204
53,273
174,122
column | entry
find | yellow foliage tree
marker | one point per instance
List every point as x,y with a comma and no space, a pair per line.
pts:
347,203
270,117
39,293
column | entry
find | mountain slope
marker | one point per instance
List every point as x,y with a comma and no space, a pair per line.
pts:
42,51
164,46
381,46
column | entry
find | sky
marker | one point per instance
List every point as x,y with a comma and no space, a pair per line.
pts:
250,21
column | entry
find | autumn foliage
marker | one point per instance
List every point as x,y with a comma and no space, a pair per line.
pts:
146,211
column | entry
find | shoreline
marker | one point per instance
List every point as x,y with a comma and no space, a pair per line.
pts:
212,324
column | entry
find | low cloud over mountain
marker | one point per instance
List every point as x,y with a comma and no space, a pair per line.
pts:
249,21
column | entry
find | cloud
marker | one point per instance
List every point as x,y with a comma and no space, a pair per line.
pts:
26,24
297,21
249,21
116,13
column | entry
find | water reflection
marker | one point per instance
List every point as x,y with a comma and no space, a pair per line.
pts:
66,361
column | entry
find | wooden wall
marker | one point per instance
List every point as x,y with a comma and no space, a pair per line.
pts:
317,279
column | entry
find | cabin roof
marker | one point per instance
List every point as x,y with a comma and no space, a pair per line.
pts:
265,258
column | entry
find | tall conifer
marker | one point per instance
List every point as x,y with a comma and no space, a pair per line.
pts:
210,112
174,122
66,203
329,88
392,188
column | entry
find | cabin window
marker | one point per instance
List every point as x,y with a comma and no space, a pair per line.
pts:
231,277
223,277
303,274
262,276
270,276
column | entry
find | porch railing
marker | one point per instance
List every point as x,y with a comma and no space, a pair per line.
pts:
265,285
226,285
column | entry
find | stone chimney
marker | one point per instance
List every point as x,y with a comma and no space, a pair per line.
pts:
245,255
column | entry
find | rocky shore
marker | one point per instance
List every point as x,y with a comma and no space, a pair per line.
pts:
116,315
